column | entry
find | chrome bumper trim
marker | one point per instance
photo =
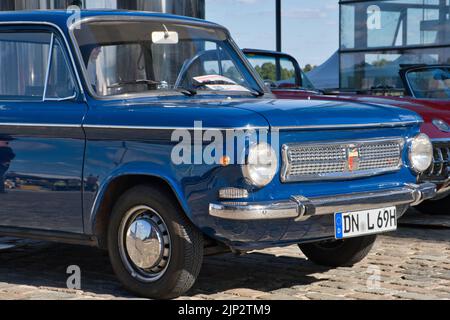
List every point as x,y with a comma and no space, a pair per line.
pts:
301,208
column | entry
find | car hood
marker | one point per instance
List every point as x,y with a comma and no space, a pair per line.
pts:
317,114
244,113
429,110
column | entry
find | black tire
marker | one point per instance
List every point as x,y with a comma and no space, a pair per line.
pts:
437,207
339,253
185,244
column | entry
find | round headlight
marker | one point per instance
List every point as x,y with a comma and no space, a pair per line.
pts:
261,165
421,153
441,125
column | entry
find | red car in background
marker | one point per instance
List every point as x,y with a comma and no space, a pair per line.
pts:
426,91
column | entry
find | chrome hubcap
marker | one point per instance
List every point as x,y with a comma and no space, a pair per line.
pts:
144,244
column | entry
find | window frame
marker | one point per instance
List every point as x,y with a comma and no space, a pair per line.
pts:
159,94
408,87
55,36
278,56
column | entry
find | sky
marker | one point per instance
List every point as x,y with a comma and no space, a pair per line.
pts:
310,28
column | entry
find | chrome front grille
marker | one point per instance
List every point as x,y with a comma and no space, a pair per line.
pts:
340,160
440,170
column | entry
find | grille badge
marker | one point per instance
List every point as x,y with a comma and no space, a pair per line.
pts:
353,158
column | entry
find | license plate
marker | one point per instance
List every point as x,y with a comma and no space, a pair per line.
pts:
355,224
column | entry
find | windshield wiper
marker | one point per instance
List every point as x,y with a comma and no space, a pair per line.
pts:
256,93
186,91
136,81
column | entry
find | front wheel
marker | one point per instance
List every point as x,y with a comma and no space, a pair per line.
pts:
339,253
154,249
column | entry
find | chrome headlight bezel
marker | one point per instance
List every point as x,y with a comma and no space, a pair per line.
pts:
420,153
261,165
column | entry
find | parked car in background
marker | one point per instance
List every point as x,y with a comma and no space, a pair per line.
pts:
427,92
281,73
108,123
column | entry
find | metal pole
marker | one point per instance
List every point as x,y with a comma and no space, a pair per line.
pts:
278,24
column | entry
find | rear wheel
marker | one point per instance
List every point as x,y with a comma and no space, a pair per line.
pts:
154,249
339,253
435,206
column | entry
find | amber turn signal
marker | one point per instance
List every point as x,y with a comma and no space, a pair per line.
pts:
225,161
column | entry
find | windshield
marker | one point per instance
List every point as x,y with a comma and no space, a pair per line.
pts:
280,72
430,83
150,57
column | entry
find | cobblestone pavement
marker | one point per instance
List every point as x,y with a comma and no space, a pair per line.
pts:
413,263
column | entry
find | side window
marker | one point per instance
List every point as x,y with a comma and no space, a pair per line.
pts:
265,66
61,84
287,73
33,66
23,64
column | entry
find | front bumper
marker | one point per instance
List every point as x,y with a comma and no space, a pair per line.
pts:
301,208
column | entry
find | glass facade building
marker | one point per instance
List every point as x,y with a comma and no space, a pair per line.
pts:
377,37
193,8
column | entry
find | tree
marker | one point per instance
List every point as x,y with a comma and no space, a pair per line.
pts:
309,67
267,71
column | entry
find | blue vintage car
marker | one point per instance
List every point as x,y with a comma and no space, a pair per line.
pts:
151,136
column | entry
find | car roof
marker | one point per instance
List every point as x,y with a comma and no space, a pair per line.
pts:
60,17
268,53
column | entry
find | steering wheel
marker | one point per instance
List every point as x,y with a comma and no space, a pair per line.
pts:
188,64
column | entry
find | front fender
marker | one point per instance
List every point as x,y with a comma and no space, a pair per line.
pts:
142,169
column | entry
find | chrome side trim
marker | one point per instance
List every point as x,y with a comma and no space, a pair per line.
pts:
49,65
57,125
63,36
443,140
47,125
350,126
95,126
301,208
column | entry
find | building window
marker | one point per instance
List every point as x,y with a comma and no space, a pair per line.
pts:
379,36
394,23
380,69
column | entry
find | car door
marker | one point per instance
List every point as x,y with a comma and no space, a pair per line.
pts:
41,139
